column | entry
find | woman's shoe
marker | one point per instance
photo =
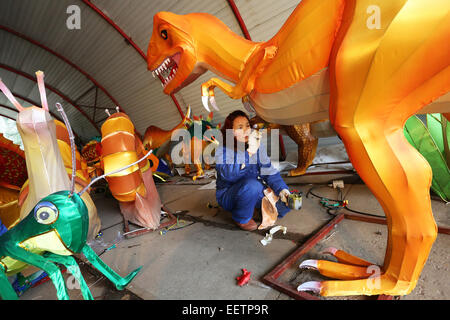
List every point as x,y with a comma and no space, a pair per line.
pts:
249,226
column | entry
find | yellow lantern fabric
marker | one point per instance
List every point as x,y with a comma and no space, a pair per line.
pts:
133,187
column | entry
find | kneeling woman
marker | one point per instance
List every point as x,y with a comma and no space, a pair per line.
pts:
245,174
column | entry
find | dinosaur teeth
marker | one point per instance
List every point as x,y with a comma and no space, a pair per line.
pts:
166,71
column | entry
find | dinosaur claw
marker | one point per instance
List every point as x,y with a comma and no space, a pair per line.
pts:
309,264
205,103
330,250
212,100
313,286
188,112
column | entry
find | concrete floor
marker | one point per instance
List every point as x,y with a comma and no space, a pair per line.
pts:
203,259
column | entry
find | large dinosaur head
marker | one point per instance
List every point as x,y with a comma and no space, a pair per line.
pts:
171,52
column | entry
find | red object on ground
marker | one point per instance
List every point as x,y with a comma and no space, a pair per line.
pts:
244,278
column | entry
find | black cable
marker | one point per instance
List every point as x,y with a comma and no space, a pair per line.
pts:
337,209
364,213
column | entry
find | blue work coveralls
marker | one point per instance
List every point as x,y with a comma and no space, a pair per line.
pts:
240,189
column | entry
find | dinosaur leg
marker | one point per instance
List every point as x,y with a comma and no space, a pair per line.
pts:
410,222
119,282
371,98
307,145
6,290
187,156
199,172
70,263
196,153
45,264
346,258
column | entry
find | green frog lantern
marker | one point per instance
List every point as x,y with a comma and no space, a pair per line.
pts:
55,230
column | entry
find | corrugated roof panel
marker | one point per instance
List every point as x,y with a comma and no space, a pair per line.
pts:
264,18
7,112
103,53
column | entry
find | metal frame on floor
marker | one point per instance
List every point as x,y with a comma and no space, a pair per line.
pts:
272,278
131,234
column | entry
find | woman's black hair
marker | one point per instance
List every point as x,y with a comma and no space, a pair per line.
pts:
228,124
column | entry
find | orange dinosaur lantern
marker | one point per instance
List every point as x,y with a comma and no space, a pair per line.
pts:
357,63
155,137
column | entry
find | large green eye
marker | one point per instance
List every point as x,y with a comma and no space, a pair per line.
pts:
46,213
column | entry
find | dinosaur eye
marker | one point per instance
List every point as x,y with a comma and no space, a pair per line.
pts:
46,212
164,34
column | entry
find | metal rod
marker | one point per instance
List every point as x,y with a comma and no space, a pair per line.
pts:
293,257
72,147
128,39
113,172
382,220
52,89
271,278
32,41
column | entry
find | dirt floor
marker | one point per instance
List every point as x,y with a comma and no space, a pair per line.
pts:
201,256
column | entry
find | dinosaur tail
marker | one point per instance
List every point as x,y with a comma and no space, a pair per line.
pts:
154,137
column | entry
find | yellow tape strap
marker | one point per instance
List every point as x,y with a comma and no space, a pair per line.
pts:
119,160
117,124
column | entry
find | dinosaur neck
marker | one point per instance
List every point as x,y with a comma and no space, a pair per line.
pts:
224,56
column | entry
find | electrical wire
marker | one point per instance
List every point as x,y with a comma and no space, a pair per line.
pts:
340,204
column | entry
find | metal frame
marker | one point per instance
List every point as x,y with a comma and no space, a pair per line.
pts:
129,40
142,54
66,60
131,234
244,30
271,278
52,89
8,117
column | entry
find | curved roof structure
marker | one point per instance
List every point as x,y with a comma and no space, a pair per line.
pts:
102,64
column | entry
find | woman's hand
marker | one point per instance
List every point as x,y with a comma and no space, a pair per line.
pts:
254,141
284,194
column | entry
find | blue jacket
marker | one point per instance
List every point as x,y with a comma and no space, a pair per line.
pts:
229,163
